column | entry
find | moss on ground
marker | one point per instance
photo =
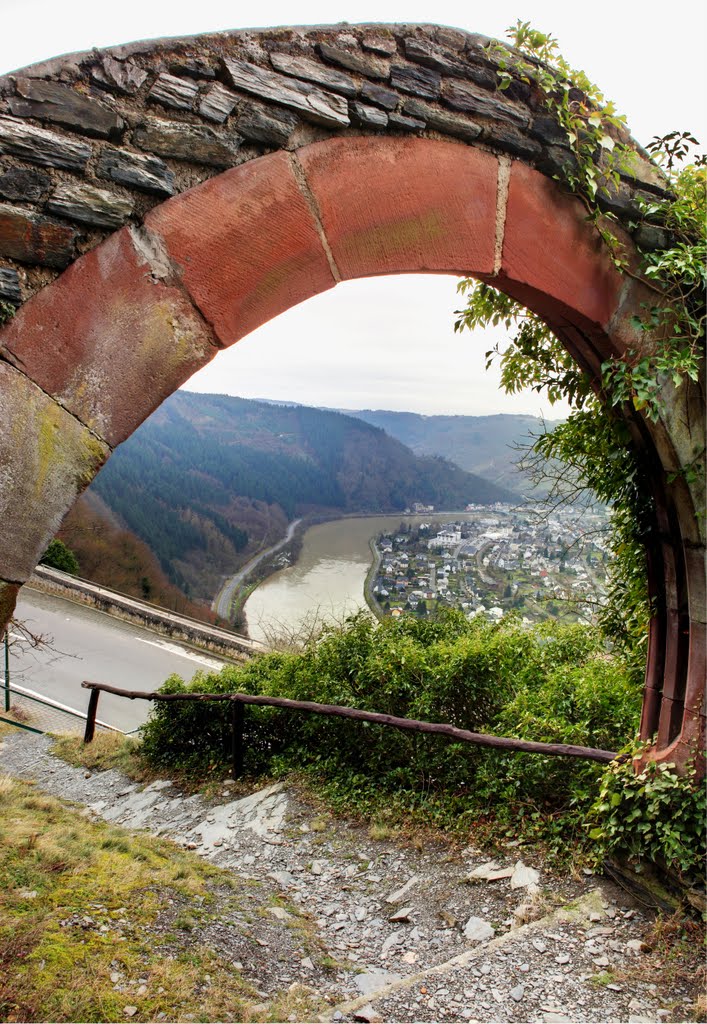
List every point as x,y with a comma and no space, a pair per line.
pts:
79,901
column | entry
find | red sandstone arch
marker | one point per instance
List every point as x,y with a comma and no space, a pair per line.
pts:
91,355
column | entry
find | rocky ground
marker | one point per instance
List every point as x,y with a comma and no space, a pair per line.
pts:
374,929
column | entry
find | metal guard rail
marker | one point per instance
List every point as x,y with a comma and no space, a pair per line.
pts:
239,700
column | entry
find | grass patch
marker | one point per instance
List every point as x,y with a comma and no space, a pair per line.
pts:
603,978
107,750
319,824
110,750
300,1003
15,714
78,904
379,831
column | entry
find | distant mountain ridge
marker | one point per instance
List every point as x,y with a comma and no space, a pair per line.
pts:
479,444
209,479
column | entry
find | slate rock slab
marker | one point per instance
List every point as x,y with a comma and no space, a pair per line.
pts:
478,930
270,125
9,285
175,92
118,76
60,104
148,173
90,205
40,146
24,184
315,104
29,237
192,142
311,71
217,103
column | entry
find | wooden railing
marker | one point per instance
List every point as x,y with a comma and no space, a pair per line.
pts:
239,700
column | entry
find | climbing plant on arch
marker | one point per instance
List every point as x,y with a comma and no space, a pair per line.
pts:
159,201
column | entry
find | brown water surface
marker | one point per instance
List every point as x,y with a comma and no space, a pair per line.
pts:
327,580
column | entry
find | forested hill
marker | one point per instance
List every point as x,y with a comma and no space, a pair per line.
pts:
209,479
479,444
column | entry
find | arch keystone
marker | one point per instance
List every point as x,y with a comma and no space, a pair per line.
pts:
392,206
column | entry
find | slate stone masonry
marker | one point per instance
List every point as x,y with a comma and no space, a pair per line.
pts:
92,141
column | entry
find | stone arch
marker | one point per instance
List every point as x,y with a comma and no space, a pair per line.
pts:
337,153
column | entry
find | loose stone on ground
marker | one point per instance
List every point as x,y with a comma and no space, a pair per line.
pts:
395,933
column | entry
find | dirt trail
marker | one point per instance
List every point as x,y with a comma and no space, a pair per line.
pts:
380,930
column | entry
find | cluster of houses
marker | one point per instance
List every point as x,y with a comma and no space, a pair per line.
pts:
494,560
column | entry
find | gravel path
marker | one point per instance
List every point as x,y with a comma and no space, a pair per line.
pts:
385,931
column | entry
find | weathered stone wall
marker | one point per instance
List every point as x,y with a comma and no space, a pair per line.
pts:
160,620
93,141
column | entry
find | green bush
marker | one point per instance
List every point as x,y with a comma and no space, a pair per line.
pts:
59,556
655,815
194,738
552,683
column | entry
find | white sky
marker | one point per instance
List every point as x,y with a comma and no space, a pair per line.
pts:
388,342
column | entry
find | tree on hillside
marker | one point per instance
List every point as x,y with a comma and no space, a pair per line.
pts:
59,556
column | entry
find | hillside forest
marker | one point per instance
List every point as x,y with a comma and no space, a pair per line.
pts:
209,480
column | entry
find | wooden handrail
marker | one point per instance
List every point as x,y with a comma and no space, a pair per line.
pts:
356,714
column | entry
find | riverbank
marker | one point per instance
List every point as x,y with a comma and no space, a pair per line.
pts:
231,599
371,599
224,601
328,579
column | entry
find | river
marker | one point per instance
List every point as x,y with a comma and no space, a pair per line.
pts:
328,578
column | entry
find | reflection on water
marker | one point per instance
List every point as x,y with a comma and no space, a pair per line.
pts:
327,581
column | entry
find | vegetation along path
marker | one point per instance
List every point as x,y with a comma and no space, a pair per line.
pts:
335,921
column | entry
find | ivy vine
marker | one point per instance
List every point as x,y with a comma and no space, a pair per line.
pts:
7,311
593,442
600,154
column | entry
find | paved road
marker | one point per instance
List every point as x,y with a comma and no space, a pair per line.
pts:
151,615
88,644
222,602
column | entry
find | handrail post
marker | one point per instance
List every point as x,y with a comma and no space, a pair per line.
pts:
7,669
237,720
91,716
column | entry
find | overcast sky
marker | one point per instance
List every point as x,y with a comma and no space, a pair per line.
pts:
388,342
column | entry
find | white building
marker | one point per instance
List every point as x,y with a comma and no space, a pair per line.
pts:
445,539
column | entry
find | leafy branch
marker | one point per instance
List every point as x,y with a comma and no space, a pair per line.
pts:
600,153
594,130
593,443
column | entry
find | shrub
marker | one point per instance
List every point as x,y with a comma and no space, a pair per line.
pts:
59,556
194,738
552,683
590,704
655,815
